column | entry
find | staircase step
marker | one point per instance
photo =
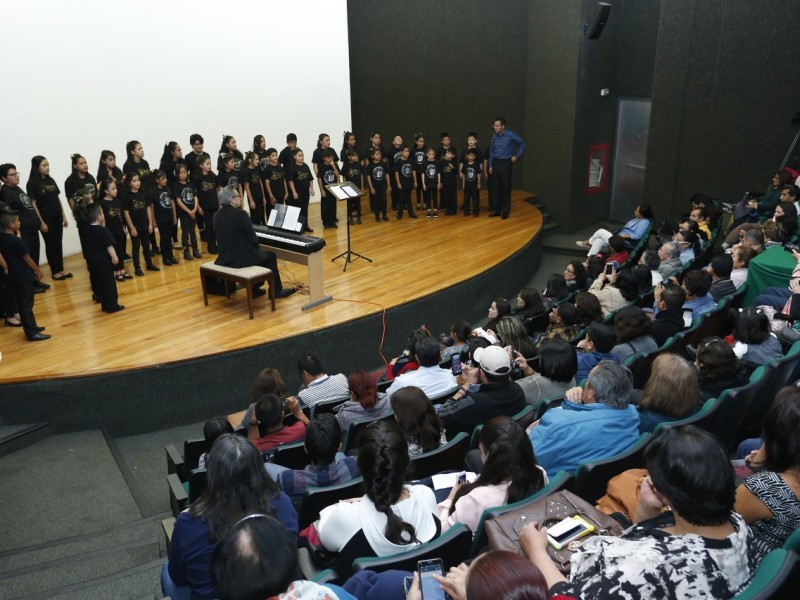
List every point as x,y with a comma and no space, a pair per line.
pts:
39,555
17,437
547,227
79,569
142,583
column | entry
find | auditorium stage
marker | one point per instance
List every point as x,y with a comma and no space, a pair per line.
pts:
173,348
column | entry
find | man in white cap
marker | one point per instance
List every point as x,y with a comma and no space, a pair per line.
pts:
487,392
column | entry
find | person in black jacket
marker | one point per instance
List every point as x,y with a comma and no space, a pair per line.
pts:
669,320
238,244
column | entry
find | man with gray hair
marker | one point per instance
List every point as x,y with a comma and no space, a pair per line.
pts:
238,244
670,255
593,423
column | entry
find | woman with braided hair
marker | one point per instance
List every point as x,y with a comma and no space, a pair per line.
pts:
391,517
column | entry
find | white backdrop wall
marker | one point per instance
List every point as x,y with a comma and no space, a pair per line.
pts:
90,75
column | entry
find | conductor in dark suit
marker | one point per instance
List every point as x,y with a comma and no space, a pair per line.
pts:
238,244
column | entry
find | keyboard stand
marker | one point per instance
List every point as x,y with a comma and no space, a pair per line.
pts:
316,276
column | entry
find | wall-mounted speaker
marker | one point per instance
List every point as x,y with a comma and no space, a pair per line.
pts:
600,20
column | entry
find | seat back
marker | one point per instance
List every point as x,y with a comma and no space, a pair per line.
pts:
198,481
328,405
356,427
785,371
525,417
446,458
639,365
738,297
702,418
384,385
777,577
192,451
591,478
316,499
546,404
452,547
732,419
474,439
559,482
444,394
291,456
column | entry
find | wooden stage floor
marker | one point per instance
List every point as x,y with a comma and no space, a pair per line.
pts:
165,320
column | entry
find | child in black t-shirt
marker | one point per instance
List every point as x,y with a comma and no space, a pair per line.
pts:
418,158
318,158
251,178
286,158
115,223
186,197
445,145
228,148
227,176
472,144
391,158
275,181
375,145
22,273
376,177
431,183
208,202
349,143
300,180
449,185
164,214
102,257
138,213
327,174
353,172
471,182
406,179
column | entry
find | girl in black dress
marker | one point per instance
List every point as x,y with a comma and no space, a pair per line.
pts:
45,196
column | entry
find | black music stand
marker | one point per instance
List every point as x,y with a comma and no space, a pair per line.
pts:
346,191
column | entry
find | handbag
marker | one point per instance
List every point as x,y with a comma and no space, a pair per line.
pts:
503,531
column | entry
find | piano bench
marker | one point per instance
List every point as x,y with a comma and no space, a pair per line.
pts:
247,276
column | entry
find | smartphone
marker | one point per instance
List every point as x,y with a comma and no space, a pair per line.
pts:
431,589
462,477
687,317
564,532
609,268
456,364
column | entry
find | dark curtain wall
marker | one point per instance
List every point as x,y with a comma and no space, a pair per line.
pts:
725,87
436,66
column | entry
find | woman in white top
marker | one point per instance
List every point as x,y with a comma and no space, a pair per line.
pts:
393,517
509,474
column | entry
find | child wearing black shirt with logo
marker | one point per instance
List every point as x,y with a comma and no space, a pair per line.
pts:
449,185
251,177
391,158
406,180
228,148
418,159
107,168
115,223
353,172
327,174
431,183
206,186
376,177
300,181
227,176
138,214
318,158
186,197
471,182
275,181
79,178
286,158
44,193
164,215
445,145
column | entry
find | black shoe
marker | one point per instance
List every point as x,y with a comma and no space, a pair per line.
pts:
152,268
157,251
127,258
139,273
413,215
63,277
167,263
187,255
285,293
214,251
350,221
127,276
358,221
385,218
96,298
258,292
38,329
377,218
116,309
504,216
309,230
39,290
197,254
399,216
494,214
37,337
334,226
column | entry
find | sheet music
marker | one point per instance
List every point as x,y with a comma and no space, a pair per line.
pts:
351,191
284,216
339,191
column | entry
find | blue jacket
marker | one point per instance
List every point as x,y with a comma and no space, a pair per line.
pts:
588,361
577,433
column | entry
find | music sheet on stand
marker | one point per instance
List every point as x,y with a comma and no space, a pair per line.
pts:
284,216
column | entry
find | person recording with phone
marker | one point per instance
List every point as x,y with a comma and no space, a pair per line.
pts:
614,289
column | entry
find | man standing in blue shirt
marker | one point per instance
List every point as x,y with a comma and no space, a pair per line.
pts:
506,149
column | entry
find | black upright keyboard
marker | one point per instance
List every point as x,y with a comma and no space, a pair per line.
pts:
279,238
